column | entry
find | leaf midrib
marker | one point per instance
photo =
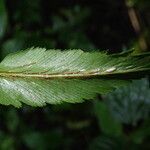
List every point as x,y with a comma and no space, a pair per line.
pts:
66,75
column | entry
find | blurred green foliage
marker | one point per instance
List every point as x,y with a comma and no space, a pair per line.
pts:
3,18
119,120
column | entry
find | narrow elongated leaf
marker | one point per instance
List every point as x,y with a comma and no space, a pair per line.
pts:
36,76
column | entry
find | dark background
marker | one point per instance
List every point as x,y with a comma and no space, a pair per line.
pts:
117,121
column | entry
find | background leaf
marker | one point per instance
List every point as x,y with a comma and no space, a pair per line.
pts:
105,118
130,104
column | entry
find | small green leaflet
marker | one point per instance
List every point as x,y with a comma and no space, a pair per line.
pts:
38,76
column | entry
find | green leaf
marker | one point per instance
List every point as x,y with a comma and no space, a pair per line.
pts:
6,142
43,140
105,119
36,76
130,104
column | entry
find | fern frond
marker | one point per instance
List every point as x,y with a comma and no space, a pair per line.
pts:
38,76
